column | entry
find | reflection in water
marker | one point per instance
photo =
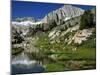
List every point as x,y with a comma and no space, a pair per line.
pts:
24,70
23,59
21,64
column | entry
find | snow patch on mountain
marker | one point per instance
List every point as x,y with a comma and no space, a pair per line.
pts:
67,18
26,23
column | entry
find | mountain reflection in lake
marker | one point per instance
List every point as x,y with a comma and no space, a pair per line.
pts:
24,70
21,64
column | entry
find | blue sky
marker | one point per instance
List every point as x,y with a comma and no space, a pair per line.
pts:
36,9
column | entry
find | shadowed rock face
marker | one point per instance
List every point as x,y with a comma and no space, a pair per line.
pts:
64,13
16,35
93,11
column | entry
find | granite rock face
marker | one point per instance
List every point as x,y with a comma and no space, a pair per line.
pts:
64,13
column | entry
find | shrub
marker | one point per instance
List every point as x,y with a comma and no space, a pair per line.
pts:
86,20
16,51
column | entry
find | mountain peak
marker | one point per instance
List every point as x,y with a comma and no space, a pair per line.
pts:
66,11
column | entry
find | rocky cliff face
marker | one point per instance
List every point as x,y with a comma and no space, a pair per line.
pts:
62,14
